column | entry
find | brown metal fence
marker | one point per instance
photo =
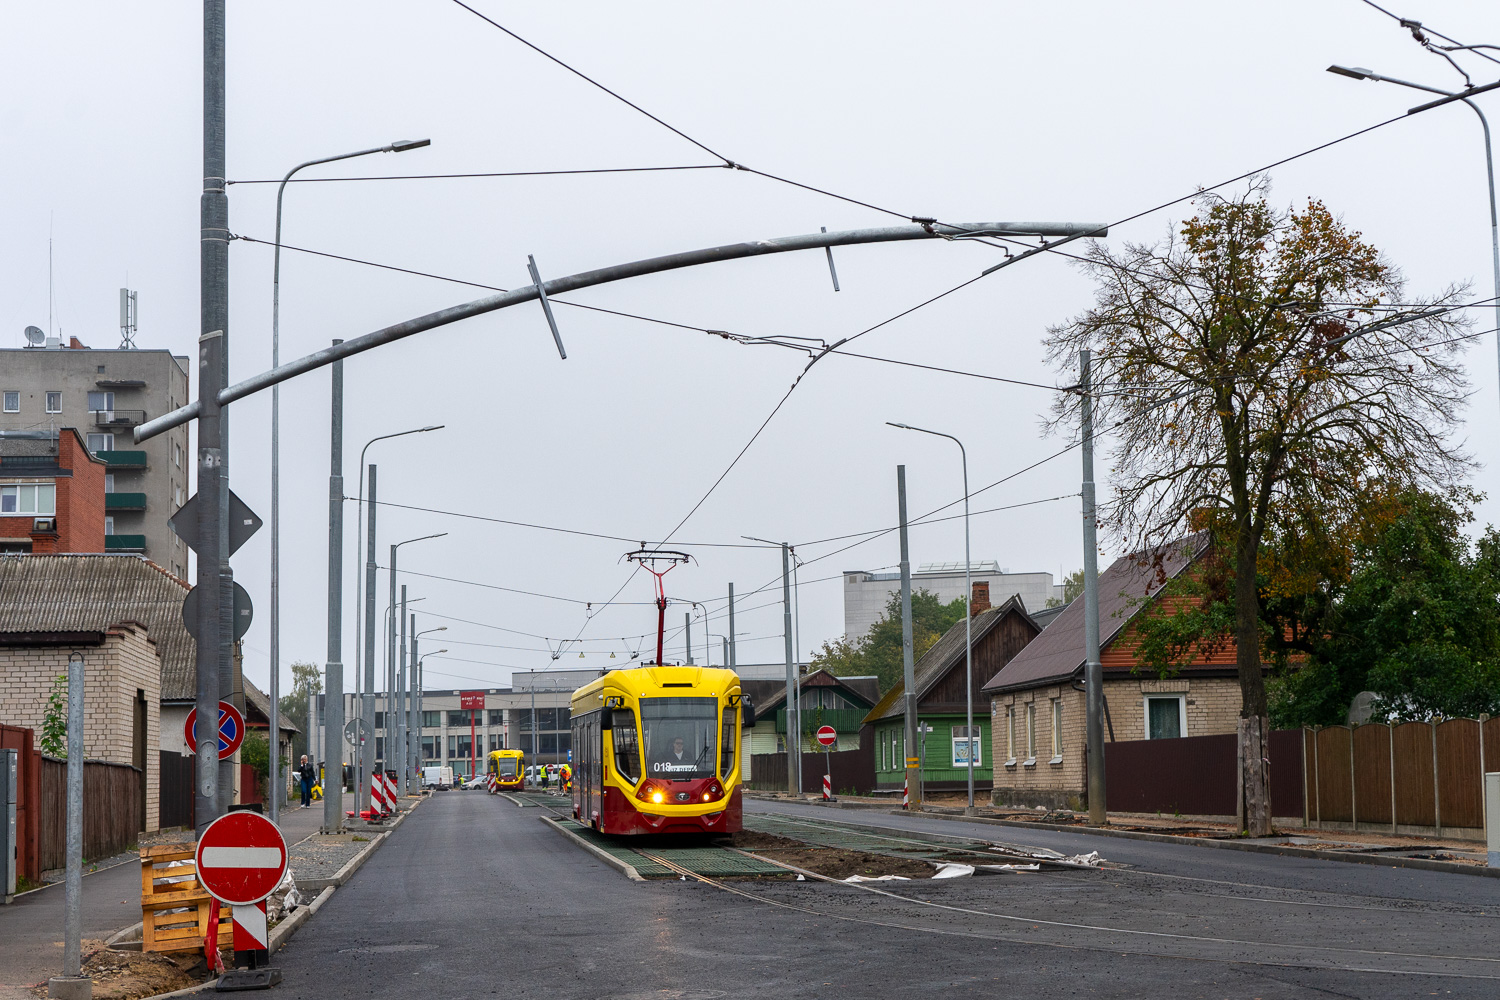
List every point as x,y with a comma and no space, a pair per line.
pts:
1196,775
111,810
1411,777
852,770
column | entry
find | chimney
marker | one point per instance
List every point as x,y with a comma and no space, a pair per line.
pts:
979,600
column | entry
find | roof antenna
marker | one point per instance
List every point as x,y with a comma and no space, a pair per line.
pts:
128,316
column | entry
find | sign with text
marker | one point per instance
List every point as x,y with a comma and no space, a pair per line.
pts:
468,700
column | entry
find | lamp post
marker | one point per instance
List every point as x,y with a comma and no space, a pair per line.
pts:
393,625
399,146
968,609
411,739
417,687
1360,73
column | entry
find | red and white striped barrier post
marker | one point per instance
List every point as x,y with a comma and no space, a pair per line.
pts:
906,793
250,927
827,788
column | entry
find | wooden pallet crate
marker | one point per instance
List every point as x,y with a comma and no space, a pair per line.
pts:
174,914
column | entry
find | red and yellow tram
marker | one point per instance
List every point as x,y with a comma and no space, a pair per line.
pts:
656,749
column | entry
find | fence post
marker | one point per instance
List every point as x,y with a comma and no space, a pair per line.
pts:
1305,810
1353,796
1437,798
1390,732
1318,797
1483,811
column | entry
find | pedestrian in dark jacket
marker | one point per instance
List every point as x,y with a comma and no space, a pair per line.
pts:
308,775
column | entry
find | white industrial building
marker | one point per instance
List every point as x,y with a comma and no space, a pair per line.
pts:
866,594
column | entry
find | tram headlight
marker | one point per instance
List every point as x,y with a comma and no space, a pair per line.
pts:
657,796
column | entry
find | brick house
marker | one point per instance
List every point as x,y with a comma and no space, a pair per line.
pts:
124,615
998,634
1037,705
52,493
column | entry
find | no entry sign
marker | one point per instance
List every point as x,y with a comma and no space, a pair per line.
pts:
231,730
241,858
828,736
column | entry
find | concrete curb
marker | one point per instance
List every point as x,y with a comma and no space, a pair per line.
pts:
353,864
1356,858
627,870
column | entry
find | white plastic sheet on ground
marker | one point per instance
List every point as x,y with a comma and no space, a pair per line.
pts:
877,878
952,869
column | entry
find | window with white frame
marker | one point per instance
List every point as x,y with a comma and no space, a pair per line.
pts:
966,747
177,454
109,529
1057,739
109,482
38,499
101,442
54,402
1166,716
12,401
1030,733
101,401
1010,735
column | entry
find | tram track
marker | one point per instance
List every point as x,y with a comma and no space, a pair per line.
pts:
1034,922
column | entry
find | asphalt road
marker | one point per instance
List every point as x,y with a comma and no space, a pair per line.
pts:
475,897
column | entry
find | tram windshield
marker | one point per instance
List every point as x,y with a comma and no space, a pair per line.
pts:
680,736
507,767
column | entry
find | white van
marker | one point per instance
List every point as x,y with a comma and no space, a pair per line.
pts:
440,778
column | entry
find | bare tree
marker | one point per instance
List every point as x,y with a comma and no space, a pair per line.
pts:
1260,369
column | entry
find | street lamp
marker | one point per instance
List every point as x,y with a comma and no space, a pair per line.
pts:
968,607
411,739
1360,73
417,682
399,146
391,645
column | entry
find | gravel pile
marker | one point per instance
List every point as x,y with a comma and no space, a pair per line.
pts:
321,856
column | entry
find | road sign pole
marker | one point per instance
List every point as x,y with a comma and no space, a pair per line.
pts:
367,693
908,670
333,682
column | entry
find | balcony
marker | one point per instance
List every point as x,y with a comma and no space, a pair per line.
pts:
124,501
124,543
123,459
118,418
846,720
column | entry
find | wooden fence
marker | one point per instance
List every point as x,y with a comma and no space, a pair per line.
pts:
852,770
175,798
1409,778
111,810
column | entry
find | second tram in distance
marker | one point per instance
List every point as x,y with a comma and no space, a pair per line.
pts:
656,750
507,769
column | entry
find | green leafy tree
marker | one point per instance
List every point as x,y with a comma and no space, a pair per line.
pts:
1418,623
1258,370
1072,585
307,679
54,741
879,652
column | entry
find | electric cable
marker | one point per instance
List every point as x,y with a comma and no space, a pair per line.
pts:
496,173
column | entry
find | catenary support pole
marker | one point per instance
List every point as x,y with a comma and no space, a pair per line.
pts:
367,689
908,667
733,657
392,706
390,657
396,755
410,701
793,710
1093,671
333,681
73,889
536,747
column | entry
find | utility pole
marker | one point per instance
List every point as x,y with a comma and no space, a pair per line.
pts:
333,683
72,983
1093,670
536,746
733,660
214,627
399,758
410,703
908,668
687,625
390,653
392,704
367,693
793,710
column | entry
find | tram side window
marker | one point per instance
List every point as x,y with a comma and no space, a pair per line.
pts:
728,745
627,746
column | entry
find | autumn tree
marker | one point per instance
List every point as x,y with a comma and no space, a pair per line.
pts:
1257,370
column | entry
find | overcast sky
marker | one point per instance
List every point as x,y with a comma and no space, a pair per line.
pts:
1082,112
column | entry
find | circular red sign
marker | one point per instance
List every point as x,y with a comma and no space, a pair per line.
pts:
828,736
231,730
241,858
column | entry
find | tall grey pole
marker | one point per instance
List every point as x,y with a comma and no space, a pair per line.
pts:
793,710
367,691
395,724
908,664
410,701
390,644
211,658
333,682
687,626
536,747
1093,670
417,711
734,660
73,891
725,652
